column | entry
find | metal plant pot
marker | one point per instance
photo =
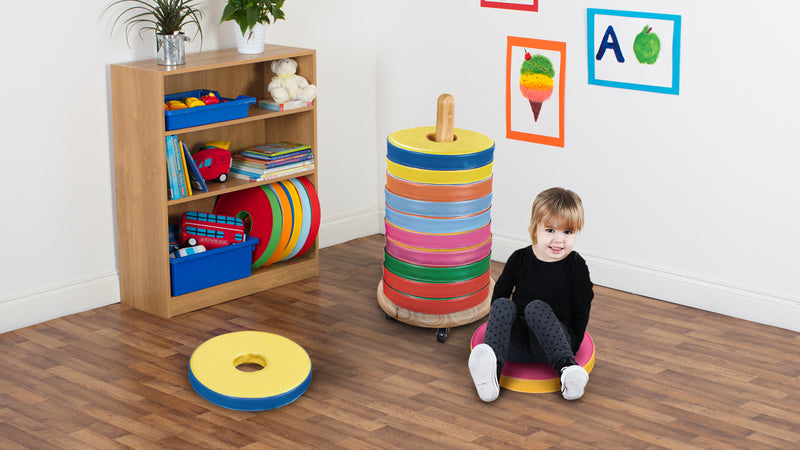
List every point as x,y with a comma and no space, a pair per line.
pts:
170,49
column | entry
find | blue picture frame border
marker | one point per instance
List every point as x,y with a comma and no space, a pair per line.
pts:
674,89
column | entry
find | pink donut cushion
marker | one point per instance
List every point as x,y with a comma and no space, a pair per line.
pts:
537,377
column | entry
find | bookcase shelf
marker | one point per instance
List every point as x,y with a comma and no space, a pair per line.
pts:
254,114
143,210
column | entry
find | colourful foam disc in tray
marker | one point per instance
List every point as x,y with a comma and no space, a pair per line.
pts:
448,258
440,241
420,139
286,229
435,306
432,161
305,226
438,192
438,225
264,215
537,377
435,274
285,374
297,217
437,209
439,176
435,290
315,215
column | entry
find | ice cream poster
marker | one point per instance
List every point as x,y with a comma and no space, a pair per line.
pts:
521,5
634,50
535,90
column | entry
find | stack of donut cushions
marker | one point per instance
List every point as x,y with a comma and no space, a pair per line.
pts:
438,231
284,216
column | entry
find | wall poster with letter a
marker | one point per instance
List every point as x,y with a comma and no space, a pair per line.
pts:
634,50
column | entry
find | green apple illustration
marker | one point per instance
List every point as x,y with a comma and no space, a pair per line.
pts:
646,46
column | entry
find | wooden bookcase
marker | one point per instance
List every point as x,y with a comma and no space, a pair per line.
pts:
143,211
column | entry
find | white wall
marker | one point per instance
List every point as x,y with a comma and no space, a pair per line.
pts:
689,198
346,109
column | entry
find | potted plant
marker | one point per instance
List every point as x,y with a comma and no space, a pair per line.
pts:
166,18
252,18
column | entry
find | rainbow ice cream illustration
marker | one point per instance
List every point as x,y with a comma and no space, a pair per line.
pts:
536,81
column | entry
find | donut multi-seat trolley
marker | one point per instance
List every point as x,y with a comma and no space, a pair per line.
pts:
438,225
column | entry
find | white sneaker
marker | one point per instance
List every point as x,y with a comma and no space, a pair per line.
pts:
573,382
483,368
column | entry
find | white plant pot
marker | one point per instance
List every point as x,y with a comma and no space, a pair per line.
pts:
252,42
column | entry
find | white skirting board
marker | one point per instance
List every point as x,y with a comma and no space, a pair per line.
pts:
683,289
346,227
39,306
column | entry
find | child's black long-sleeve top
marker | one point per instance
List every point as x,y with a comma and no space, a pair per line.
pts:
564,285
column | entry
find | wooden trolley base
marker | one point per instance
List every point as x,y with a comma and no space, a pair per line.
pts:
440,321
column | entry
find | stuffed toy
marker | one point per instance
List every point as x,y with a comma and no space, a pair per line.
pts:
286,85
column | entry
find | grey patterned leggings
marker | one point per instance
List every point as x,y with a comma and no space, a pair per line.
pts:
540,337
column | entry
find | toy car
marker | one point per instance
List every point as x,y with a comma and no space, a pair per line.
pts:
213,163
209,230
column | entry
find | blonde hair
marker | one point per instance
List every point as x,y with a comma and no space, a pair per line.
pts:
556,207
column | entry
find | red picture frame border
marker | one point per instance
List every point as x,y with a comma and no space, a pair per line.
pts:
514,6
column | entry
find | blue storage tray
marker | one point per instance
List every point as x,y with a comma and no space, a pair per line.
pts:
203,115
212,267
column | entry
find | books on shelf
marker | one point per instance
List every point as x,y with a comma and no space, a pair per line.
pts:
186,181
246,160
277,150
183,176
268,161
271,174
259,163
176,174
275,106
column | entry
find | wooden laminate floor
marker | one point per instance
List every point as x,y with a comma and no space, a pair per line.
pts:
666,376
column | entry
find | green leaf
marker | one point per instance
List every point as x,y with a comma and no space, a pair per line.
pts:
247,13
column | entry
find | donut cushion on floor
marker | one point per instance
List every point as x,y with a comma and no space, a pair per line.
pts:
283,370
537,377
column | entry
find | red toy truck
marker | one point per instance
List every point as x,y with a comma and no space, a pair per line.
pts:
213,163
209,230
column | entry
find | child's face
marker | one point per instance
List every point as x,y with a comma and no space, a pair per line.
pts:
553,242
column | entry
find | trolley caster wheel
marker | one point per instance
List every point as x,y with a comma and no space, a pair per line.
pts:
441,335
